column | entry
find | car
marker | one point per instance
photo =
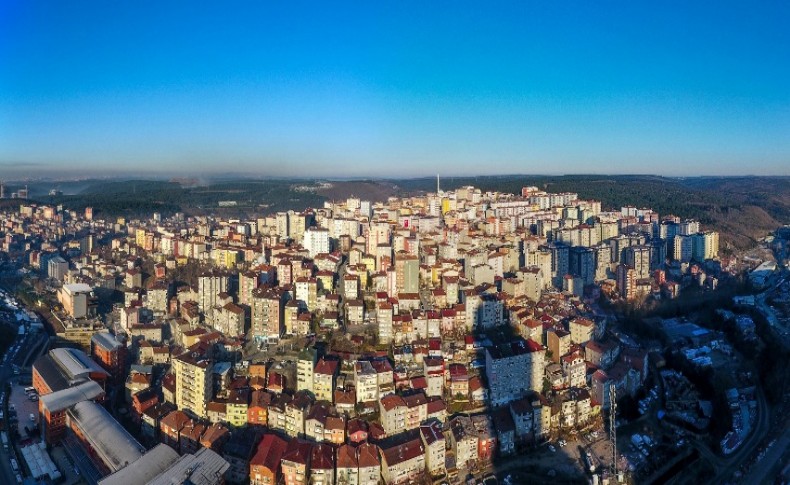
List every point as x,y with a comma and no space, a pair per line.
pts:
32,417
552,448
33,397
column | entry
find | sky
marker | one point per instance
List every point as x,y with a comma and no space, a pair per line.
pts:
394,89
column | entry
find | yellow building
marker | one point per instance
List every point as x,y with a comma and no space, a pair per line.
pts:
193,382
139,237
226,257
369,262
326,281
237,407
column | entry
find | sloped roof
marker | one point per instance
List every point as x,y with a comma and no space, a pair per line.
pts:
403,452
298,451
106,340
74,364
347,457
111,442
148,467
203,468
270,452
322,457
64,399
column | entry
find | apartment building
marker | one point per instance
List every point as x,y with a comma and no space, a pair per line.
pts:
513,369
194,387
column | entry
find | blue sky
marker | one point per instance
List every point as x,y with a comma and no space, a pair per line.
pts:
394,88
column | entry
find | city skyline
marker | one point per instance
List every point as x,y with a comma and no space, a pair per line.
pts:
404,92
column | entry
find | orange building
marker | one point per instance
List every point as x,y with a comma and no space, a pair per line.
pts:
170,428
63,368
296,462
215,437
53,406
258,410
110,354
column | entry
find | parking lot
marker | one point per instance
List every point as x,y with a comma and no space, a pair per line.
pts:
563,463
24,408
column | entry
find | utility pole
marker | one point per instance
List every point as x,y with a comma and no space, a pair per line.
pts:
613,427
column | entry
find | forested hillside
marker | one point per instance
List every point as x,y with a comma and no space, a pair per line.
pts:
741,208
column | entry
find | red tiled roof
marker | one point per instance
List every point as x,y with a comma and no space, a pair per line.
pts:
298,451
368,455
322,457
270,452
403,452
392,401
347,457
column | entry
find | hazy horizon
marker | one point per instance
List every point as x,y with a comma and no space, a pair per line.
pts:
208,179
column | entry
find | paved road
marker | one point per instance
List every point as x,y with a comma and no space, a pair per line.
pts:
6,373
764,471
31,347
729,464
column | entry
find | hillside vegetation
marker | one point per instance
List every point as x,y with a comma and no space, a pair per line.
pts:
741,208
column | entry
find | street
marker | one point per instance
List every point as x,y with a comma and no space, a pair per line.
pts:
21,353
728,465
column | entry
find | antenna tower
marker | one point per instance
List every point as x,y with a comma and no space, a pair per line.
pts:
613,427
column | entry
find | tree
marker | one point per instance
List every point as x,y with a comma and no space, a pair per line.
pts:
546,386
